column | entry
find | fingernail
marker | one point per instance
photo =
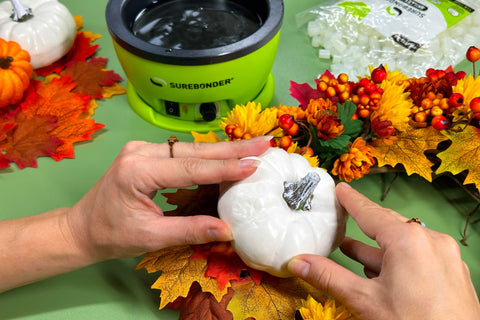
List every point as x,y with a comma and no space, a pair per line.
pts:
262,138
220,234
249,162
299,267
345,185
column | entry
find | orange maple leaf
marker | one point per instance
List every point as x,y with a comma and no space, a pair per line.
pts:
91,77
463,154
26,139
179,272
409,150
57,99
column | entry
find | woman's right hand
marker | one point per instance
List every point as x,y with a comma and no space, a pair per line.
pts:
416,273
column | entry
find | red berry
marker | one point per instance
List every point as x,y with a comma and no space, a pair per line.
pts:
379,74
229,129
439,122
450,76
475,105
455,100
429,71
473,54
285,121
363,82
460,75
371,87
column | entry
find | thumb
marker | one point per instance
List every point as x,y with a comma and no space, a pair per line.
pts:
329,277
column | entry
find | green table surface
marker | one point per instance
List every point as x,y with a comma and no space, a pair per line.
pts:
113,289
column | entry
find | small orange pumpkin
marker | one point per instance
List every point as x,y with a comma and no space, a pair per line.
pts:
15,72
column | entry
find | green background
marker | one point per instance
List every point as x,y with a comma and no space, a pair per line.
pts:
113,289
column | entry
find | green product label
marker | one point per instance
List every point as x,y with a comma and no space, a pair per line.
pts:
453,11
356,9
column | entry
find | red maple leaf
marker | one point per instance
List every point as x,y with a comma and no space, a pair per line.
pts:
303,93
57,99
81,50
90,76
223,263
26,139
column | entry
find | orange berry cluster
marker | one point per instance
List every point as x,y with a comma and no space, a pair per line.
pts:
336,89
236,133
366,96
433,98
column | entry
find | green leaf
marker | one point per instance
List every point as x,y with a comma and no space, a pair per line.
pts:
345,113
339,143
330,148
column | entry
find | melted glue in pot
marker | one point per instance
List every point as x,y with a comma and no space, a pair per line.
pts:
190,62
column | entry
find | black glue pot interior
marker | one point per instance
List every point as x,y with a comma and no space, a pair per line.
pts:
185,56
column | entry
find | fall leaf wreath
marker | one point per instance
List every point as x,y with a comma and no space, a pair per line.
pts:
47,110
427,126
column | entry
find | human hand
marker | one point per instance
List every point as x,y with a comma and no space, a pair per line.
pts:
416,273
118,218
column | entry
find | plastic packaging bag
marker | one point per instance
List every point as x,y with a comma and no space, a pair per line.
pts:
406,35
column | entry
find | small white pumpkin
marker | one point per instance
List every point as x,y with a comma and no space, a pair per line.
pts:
267,232
47,35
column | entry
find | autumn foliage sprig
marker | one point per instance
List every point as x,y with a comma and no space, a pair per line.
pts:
427,125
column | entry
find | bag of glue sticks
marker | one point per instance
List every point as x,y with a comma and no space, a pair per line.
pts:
406,35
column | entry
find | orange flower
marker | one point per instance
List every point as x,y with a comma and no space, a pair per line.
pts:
320,105
296,112
356,162
329,127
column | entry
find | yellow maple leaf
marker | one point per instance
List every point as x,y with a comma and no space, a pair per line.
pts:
78,22
463,154
268,301
179,273
210,137
92,36
409,150
109,91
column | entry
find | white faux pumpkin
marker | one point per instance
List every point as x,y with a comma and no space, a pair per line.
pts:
47,35
267,232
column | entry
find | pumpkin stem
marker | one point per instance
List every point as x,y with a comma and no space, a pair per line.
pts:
20,12
298,195
6,62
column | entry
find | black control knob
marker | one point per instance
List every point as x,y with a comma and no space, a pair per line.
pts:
208,111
